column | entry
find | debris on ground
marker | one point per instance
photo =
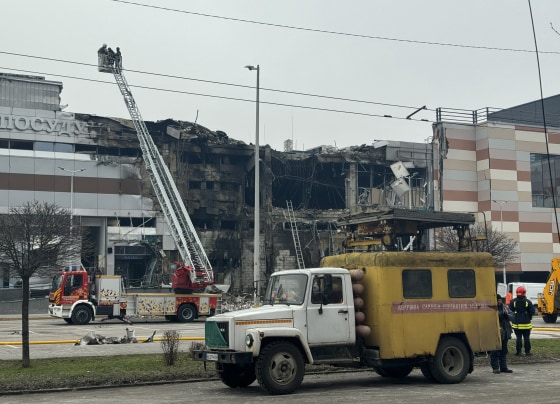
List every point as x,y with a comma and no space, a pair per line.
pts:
92,338
232,302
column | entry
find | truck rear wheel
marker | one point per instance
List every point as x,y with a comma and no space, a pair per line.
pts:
549,318
235,376
186,313
280,368
451,362
81,315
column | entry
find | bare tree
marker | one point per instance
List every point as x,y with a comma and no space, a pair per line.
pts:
503,249
35,239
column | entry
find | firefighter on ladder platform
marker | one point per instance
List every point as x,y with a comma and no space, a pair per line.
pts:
107,58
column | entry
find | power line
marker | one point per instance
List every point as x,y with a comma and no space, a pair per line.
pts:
321,31
223,97
218,82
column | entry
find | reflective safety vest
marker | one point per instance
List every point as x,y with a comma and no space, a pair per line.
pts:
519,313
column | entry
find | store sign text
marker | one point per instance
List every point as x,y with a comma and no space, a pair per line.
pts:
48,125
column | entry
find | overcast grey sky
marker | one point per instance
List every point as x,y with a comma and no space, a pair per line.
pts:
394,54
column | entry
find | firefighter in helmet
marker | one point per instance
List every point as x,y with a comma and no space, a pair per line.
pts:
523,311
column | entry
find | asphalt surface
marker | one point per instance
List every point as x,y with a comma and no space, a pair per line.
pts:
530,383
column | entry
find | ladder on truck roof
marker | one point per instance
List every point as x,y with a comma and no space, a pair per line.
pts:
183,232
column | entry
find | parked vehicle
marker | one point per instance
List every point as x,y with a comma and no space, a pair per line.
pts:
508,292
77,300
389,311
549,298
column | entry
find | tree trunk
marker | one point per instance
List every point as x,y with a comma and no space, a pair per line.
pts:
25,360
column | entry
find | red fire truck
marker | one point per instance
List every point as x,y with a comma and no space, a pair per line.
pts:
78,298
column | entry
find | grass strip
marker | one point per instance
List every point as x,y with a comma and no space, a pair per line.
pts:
78,372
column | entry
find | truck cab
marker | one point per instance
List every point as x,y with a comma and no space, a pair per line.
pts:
70,297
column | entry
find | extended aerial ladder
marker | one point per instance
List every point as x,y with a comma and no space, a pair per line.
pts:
183,232
295,235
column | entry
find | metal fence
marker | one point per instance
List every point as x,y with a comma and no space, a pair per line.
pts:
472,117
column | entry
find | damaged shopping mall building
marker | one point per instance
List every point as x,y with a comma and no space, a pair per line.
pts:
94,165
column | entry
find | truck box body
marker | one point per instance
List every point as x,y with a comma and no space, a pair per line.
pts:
395,312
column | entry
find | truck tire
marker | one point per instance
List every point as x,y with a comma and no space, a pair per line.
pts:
81,315
186,313
549,318
427,372
280,368
394,372
451,362
68,320
235,376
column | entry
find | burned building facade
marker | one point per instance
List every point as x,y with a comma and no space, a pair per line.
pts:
215,175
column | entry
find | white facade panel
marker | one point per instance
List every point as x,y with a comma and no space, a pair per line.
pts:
111,202
467,155
47,197
460,206
524,186
535,237
502,174
483,164
19,198
460,175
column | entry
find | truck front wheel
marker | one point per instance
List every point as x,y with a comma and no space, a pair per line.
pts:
235,376
451,362
549,318
186,313
81,315
280,368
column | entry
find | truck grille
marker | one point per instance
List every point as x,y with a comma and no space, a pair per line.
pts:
216,334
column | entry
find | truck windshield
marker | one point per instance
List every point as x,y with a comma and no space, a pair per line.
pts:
286,289
56,282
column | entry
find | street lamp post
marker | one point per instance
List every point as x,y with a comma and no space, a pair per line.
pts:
72,172
502,203
256,248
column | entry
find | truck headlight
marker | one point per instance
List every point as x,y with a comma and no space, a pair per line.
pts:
249,340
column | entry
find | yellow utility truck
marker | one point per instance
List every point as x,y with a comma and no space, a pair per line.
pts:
391,311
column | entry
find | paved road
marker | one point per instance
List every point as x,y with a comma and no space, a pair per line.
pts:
51,337
536,383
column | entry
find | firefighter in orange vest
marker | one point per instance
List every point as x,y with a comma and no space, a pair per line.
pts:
523,311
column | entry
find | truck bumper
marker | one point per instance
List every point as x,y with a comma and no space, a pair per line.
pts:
223,357
55,311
